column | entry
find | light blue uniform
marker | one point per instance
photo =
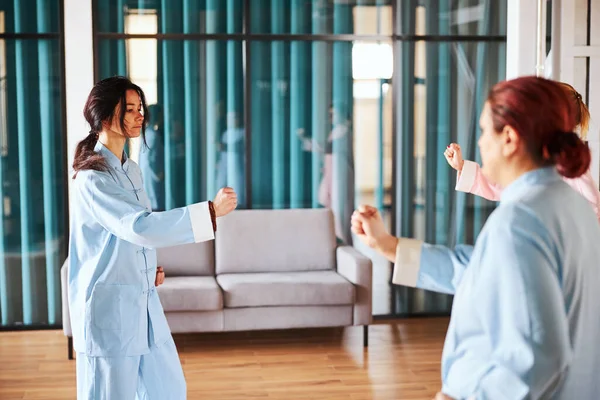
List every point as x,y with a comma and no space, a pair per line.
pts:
525,319
120,333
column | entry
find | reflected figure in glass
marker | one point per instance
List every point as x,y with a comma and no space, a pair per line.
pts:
152,158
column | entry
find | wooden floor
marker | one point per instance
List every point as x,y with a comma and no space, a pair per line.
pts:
401,362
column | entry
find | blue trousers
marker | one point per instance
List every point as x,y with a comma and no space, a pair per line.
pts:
153,376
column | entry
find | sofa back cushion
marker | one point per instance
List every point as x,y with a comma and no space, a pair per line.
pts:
196,259
275,241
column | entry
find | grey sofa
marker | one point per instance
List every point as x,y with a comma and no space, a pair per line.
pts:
266,269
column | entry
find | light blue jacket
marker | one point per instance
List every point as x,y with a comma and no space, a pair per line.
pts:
115,309
525,319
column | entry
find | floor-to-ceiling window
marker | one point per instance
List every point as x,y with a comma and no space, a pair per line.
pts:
33,173
448,55
313,103
277,99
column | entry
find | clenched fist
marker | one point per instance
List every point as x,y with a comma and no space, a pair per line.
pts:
160,276
225,201
368,225
453,155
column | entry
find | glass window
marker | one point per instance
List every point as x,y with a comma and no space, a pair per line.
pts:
441,98
3,92
315,103
174,16
320,17
445,17
318,114
33,180
31,16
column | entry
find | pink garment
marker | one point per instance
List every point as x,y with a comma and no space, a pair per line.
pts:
471,180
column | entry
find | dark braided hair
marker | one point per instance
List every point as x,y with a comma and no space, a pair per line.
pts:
100,108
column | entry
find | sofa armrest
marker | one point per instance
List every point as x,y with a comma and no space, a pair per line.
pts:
64,289
358,269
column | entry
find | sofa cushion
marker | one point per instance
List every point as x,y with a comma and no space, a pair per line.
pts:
285,289
190,293
275,241
286,317
196,259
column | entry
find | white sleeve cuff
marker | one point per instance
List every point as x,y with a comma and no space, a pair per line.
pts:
466,178
408,262
201,222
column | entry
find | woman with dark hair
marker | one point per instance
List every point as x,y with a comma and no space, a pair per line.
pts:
524,321
471,180
121,336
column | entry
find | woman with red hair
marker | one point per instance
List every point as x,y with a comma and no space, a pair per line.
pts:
471,180
524,321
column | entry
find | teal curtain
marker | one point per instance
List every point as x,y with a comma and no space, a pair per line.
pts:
233,138
201,91
300,92
195,189
172,88
280,115
405,191
216,81
111,18
32,170
261,111
302,110
342,197
200,132
321,100
300,103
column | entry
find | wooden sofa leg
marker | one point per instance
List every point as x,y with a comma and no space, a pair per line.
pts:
365,335
70,347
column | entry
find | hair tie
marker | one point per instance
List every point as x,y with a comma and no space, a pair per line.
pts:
578,96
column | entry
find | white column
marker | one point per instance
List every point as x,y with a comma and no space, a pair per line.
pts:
574,53
569,53
593,51
521,38
554,62
79,70
540,45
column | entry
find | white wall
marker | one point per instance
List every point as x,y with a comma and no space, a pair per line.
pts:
521,38
569,53
79,70
574,53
